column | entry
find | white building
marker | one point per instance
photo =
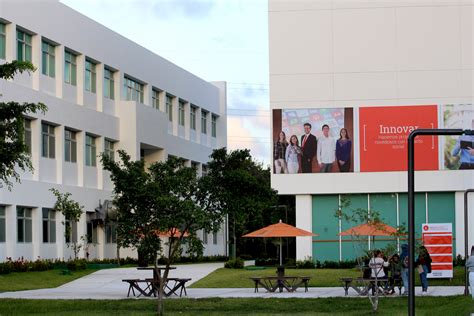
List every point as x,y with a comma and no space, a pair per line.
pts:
104,93
369,61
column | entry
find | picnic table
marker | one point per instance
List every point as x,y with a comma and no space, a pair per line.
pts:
363,285
151,286
289,283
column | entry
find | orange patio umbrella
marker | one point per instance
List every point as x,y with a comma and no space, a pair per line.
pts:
279,230
173,232
371,229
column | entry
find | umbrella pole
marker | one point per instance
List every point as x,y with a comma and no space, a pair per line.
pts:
281,257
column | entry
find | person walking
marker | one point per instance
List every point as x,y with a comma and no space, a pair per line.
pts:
404,259
423,264
470,266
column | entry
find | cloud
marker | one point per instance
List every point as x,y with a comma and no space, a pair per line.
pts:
194,9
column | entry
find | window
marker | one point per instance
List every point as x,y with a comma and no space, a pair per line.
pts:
49,226
204,170
203,122
91,233
111,233
70,146
70,231
109,84
192,118
90,151
24,231
133,90
48,66
2,224
214,238
90,77
2,41
70,68
48,141
27,135
155,98
23,52
181,113
213,125
109,149
169,107
204,237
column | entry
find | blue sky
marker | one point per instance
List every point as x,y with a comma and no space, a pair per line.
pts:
217,40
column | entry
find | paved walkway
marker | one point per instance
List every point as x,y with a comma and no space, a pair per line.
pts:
107,284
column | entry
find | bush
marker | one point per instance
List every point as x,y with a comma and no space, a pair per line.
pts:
194,259
266,262
75,265
234,264
459,261
307,263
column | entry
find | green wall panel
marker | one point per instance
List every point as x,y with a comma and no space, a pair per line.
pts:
354,248
386,205
441,209
327,226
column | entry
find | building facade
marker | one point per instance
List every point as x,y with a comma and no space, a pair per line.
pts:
104,93
377,69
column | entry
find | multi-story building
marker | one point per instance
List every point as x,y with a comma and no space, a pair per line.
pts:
378,69
104,92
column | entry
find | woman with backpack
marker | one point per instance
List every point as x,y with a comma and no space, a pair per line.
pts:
423,264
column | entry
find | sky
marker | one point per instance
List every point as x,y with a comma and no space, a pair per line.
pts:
217,40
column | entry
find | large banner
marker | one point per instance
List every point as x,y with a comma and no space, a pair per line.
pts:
458,151
438,240
383,133
313,140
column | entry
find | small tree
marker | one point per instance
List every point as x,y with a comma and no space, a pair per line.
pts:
167,199
13,149
72,212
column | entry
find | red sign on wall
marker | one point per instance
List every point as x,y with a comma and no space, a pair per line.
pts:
383,133
438,240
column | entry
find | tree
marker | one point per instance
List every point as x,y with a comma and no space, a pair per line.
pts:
13,149
243,188
72,212
167,199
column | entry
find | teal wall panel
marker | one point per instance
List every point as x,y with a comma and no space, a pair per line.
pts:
327,226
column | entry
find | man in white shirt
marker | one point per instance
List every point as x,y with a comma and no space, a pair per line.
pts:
377,264
326,150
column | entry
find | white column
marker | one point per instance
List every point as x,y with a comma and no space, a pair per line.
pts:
59,64
10,49
80,70
100,143
198,125
100,242
59,153
147,95
36,231
304,220
81,232
36,60
11,232
187,122
99,69
118,84
175,102
81,141
60,241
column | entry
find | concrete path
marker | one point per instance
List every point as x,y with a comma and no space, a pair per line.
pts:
107,284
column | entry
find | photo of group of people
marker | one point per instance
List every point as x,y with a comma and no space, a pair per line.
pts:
313,140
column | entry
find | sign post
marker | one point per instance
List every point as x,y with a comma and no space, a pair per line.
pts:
438,240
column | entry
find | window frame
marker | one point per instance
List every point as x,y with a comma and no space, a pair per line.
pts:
26,224
214,125
109,149
181,112
109,83
3,40
48,223
3,224
90,76
49,135
110,233
133,90
70,142
48,59
91,151
204,114
155,98
26,46
169,107
27,134
70,76
192,117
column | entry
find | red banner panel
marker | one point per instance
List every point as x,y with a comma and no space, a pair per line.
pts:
383,133
440,240
440,249
442,259
442,267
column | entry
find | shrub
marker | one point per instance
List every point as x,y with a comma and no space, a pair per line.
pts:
307,263
78,264
234,264
266,262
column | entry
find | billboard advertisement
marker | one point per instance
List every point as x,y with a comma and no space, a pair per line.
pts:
313,140
458,151
383,133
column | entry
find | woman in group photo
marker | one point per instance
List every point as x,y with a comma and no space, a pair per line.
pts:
279,151
293,155
343,151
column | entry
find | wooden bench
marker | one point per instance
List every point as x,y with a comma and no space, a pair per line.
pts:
368,284
151,288
272,283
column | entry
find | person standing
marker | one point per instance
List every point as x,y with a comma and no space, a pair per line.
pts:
377,263
293,155
343,151
424,267
279,150
470,266
308,147
404,259
326,150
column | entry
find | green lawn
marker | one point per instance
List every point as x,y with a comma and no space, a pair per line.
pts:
19,281
430,306
239,278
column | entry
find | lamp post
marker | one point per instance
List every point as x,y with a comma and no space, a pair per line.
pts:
466,237
411,203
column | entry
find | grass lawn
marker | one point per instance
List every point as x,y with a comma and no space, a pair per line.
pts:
430,306
239,278
19,281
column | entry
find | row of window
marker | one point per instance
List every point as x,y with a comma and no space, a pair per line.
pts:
48,224
133,90
205,241
48,144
